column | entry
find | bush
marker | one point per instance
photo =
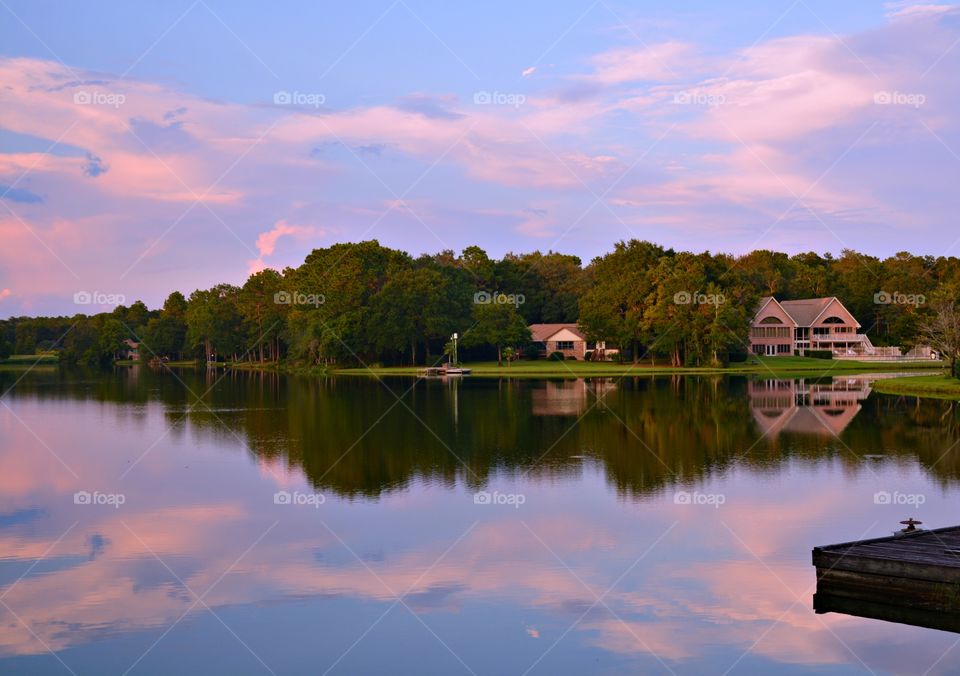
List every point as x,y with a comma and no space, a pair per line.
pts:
588,355
820,354
572,357
737,357
556,356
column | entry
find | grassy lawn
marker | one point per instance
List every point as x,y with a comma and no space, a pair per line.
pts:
940,386
135,362
29,360
769,365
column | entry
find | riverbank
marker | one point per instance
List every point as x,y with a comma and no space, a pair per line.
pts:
940,386
788,366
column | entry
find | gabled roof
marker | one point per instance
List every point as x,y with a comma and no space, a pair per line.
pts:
804,312
543,332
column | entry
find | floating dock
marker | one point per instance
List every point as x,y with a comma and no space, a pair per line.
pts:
912,577
441,371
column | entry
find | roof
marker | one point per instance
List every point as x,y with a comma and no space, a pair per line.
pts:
543,332
804,312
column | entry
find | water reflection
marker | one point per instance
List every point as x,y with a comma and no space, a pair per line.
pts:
697,588
807,406
570,397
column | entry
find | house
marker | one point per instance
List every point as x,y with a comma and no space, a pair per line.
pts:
569,340
132,349
795,326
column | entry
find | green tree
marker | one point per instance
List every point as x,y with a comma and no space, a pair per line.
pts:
263,313
620,284
498,324
214,323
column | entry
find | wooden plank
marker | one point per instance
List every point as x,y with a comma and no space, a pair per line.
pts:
950,531
892,566
941,596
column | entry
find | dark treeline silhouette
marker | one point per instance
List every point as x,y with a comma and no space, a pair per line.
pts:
362,303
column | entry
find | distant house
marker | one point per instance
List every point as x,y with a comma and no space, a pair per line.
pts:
133,349
791,326
569,340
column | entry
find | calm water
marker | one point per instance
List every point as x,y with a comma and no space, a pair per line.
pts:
285,525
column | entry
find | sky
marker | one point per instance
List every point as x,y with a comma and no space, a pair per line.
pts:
148,147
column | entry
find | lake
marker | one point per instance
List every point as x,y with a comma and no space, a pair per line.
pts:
252,523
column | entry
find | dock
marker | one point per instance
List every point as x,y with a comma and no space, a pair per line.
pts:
442,371
911,577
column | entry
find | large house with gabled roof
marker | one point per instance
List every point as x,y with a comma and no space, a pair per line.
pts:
794,326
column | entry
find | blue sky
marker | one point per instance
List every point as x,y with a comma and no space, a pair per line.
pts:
724,126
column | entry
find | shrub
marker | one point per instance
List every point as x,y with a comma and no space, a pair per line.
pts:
737,357
556,356
820,354
588,355
572,357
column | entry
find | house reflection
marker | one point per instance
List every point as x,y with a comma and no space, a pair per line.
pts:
570,397
805,406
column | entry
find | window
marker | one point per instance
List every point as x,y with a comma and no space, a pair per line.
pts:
833,320
770,320
564,344
783,349
770,332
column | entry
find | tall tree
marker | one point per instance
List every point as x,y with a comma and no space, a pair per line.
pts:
497,324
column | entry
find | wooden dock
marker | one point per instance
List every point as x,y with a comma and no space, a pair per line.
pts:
911,577
443,371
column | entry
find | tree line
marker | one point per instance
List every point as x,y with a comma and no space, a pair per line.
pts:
362,303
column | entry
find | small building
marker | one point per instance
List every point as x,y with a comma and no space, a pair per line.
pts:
568,340
133,349
795,326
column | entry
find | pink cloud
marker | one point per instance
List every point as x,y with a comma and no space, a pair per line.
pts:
267,241
656,62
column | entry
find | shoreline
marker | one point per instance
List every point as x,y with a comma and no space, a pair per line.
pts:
941,386
789,366
922,378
